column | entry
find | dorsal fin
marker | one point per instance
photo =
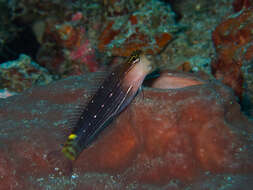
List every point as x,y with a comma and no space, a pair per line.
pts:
96,81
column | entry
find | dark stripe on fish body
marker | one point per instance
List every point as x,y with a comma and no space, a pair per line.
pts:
101,106
110,99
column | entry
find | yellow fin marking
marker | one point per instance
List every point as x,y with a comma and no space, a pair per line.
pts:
72,136
68,152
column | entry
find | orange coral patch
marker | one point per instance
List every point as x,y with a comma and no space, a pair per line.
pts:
140,41
134,42
133,20
163,39
186,67
68,36
107,36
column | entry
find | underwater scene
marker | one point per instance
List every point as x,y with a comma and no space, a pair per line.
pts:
126,94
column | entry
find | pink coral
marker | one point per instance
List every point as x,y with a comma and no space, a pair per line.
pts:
72,51
85,54
77,16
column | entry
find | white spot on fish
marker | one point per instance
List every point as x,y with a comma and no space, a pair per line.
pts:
110,95
102,105
92,101
95,116
84,131
89,124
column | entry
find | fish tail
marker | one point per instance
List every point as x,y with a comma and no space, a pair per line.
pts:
69,149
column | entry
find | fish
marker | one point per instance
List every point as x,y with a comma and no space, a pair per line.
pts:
114,94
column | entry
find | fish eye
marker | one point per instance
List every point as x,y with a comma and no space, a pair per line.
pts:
135,57
136,60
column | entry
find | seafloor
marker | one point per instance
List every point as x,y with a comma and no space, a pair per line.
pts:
189,128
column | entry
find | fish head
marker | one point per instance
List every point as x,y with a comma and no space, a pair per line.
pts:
139,66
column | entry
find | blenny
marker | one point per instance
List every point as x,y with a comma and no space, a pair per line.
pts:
115,94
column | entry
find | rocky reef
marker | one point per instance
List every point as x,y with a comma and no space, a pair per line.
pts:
190,128
77,37
233,66
22,74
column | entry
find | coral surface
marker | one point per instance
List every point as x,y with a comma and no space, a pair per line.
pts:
193,43
148,28
233,40
22,74
76,37
190,135
182,132
66,49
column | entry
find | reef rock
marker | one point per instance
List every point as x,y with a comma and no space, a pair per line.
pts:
189,134
149,27
21,74
233,66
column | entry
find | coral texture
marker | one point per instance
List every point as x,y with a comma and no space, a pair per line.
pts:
183,137
70,52
149,28
22,74
233,40
193,43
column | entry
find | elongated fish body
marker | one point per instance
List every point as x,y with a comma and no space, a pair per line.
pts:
115,93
